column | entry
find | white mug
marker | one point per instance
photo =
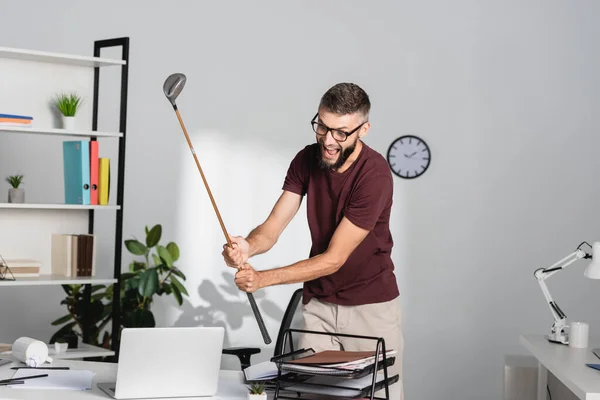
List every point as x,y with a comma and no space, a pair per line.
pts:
578,337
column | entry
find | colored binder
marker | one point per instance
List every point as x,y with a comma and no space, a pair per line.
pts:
93,172
76,163
103,180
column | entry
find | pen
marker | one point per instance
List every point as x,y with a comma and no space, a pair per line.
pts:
11,383
11,380
40,367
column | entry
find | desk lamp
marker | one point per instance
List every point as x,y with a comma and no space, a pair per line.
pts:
557,333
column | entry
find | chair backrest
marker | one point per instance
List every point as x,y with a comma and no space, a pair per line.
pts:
292,318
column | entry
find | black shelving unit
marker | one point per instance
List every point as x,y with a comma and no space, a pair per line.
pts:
122,42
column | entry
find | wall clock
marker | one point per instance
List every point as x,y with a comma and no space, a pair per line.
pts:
409,156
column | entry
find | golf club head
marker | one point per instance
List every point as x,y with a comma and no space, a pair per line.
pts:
173,86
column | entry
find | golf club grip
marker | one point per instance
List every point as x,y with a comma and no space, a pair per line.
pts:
259,320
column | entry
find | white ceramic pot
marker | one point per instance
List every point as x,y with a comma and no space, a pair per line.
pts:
262,396
16,195
68,123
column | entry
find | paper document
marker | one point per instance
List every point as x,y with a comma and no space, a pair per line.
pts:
263,371
335,362
56,379
337,358
335,386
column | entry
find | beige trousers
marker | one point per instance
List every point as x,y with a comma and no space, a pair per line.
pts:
378,319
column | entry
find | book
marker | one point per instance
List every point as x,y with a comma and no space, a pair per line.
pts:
76,165
15,120
103,180
73,254
15,116
23,268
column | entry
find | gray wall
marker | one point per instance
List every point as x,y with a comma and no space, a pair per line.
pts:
505,93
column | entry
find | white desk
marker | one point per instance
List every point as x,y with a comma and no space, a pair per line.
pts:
567,364
230,384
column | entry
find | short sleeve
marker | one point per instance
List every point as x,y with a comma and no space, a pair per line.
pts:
368,201
296,179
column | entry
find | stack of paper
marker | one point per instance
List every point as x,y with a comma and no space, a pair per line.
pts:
336,360
332,386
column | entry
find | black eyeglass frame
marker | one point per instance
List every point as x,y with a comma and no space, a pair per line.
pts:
313,123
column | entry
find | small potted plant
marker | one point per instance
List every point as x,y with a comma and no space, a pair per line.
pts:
257,392
68,105
15,193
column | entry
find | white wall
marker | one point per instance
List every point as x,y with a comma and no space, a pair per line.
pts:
505,93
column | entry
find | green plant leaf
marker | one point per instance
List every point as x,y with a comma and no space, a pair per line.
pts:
178,284
62,319
95,288
167,288
157,260
177,271
136,247
68,104
132,283
173,250
68,289
143,318
177,294
98,296
153,237
125,276
148,283
136,266
165,255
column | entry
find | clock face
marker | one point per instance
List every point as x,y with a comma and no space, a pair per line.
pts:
409,157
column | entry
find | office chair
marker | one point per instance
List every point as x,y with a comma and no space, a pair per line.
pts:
244,353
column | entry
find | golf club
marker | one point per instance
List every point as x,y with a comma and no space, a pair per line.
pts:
172,88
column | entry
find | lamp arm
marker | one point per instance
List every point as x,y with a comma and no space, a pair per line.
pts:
558,333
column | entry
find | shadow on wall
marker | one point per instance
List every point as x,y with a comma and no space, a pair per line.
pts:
222,310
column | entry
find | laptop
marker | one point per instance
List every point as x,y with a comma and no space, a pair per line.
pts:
167,362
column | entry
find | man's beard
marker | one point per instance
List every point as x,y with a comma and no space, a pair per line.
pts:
344,154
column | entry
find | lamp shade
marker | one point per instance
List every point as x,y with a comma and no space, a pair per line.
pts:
593,269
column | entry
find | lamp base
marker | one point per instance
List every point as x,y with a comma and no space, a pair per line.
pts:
561,338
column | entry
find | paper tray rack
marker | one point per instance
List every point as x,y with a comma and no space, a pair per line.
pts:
335,382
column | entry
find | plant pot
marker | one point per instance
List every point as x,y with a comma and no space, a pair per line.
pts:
68,123
16,195
262,396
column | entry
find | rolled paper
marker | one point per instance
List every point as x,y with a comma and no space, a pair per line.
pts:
31,351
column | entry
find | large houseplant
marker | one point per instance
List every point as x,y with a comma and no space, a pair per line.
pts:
153,274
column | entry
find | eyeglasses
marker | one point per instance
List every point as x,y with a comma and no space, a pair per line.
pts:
337,134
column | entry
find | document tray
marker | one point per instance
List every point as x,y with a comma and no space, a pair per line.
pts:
337,379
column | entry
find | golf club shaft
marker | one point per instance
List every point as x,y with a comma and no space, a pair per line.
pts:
203,178
253,305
